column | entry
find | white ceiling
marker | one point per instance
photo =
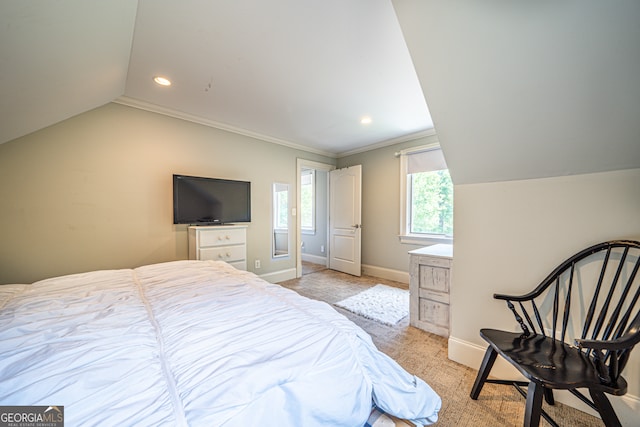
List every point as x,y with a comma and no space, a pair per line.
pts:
529,89
292,72
59,59
517,90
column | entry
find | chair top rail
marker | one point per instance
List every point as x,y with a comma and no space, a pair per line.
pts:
609,306
567,264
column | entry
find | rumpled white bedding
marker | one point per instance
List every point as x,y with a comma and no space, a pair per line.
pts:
194,343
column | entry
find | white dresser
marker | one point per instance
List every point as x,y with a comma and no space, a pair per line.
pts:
430,271
219,242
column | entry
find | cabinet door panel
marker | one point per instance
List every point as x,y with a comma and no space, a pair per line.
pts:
433,295
435,278
434,312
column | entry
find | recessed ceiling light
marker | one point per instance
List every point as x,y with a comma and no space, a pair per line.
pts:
162,81
365,120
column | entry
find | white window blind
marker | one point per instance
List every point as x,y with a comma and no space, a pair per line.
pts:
425,161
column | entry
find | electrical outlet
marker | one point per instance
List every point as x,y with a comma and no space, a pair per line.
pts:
322,248
257,263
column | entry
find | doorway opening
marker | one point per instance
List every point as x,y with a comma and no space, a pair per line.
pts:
312,219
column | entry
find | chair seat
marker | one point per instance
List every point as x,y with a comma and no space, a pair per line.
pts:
549,362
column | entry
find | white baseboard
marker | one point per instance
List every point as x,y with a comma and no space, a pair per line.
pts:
279,276
386,273
316,259
469,354
369,270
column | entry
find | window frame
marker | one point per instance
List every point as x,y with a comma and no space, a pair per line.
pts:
405,234
312,228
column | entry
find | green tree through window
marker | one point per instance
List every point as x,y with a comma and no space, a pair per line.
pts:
431,203
426,200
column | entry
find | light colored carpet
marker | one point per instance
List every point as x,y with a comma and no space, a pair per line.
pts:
382,303
311,267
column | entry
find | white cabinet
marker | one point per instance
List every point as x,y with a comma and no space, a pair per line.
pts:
219,242
430,270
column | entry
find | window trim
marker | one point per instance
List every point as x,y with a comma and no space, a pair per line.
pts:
309,230
405,235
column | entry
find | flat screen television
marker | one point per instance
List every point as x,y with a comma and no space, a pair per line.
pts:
205,201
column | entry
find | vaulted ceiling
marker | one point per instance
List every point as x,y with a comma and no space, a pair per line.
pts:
529,89
516,89
298,73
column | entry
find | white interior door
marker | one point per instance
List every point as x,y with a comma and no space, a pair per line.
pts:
345,199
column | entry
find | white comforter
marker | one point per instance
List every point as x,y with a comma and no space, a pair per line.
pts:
194,343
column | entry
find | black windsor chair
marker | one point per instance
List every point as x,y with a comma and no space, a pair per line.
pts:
578,329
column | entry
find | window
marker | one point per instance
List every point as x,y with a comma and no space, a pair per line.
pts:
426,196
308,201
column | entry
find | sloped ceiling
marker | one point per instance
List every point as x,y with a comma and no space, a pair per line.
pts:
59,59
291,72
516,89
528,89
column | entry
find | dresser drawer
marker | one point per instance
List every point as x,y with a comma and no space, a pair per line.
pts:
219,243
434,312
223,253
435,278
221,237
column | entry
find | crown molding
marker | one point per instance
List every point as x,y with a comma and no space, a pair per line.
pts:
388,142
142,105
154,108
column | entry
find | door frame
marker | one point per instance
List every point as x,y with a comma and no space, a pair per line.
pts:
308,164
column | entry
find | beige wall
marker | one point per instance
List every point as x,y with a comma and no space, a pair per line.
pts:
95,191
510,235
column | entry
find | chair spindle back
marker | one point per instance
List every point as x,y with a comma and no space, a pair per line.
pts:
590,296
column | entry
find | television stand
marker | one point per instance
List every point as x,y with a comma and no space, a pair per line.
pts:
220,242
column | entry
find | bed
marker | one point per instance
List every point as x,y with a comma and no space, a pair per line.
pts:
194,343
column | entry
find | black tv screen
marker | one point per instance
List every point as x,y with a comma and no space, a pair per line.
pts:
198,200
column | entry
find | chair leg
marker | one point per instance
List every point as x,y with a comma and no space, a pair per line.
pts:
483,372
605,409
548,396
533,408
